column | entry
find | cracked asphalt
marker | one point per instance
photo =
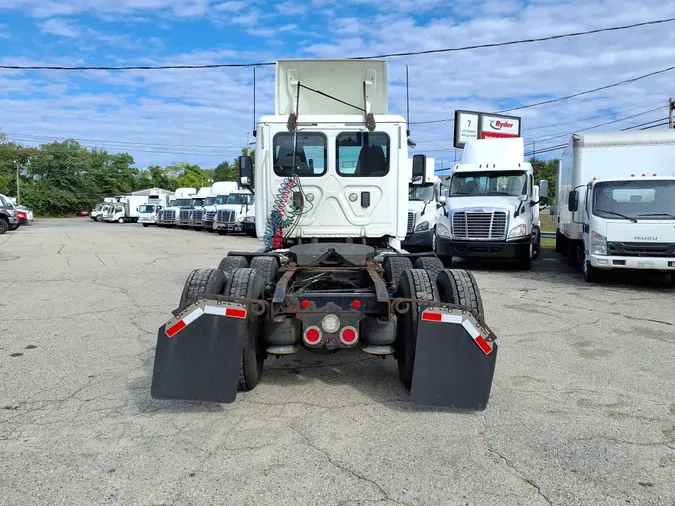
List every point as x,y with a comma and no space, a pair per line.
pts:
582,408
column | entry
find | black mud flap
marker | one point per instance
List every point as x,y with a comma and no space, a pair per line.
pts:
198,355
455,361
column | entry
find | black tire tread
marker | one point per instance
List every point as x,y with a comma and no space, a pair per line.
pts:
414,284
432,265
459,286
394,267
268,268
246,282
202,281
4,225
231,263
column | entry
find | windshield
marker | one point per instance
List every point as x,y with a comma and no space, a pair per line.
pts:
311,155
146,209
198,202
221,199
172,203
479,184
239,198
421,193
640,199
182,202
209,201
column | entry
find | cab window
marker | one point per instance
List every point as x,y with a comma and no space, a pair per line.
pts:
362,154
311,155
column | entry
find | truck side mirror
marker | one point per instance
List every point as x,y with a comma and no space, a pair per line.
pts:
543,190
419,168
441,199
246,171
573,201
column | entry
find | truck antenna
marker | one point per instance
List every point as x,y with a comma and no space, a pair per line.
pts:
407,102
254,125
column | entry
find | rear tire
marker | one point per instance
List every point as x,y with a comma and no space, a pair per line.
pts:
432,265
537,244
268,268
4,226
202,282
414,284
247,283
525,259
229,264
394,267
145,225
457,286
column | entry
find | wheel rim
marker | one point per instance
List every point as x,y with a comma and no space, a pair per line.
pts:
433,240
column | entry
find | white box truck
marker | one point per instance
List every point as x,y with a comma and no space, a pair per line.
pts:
425,207
616,201
492,208
127,209
148,213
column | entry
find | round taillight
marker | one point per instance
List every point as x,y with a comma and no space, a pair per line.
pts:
304,304
348,335
356,304
312,335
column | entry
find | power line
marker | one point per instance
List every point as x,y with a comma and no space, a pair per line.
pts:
560,99
386,55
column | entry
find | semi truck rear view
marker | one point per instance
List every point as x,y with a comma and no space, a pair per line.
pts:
616,202
332,275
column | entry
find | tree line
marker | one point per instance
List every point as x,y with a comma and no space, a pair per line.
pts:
62,178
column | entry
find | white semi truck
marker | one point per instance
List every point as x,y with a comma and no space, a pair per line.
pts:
616,201
219,193
186,216
182,199
425,208
332,275
492,208
237,214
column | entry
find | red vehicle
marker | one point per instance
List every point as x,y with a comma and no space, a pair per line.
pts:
22,216
83,213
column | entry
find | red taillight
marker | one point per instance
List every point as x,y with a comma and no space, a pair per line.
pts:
235,313
431,316
312,335
349,335
356,304
304,304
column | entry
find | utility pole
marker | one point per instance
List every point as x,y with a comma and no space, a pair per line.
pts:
671,107
248,141
18,187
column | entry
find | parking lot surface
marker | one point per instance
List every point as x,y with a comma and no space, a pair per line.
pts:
582,408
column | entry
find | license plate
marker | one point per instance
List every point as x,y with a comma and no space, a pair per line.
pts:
645,264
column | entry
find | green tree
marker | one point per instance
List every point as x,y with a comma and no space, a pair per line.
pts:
546,169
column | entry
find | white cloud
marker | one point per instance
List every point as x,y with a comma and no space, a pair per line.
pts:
61,28
214,107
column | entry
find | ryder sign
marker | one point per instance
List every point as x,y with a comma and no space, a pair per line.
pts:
479,125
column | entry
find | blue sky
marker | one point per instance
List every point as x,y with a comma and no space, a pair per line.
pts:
203,116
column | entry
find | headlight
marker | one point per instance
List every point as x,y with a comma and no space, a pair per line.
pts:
10,212
442,230
422,226
249,219
519,231
598,244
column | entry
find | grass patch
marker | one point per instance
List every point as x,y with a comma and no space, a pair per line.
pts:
547,222
548,243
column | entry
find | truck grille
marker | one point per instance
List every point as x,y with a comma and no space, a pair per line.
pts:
411,222
197,215
225,216
170,215
160,215
184,215
210,216
641,249
486,225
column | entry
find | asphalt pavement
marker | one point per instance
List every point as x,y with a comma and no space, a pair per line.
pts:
582,409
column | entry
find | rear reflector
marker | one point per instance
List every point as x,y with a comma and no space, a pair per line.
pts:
349,335
437,316
228,311
312,335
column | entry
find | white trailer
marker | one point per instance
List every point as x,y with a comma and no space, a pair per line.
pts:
616,201
425,207
127,209
492,208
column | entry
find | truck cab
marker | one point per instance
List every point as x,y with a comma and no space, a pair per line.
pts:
425,207
183,200
196,214
236,214
8,217
492,206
